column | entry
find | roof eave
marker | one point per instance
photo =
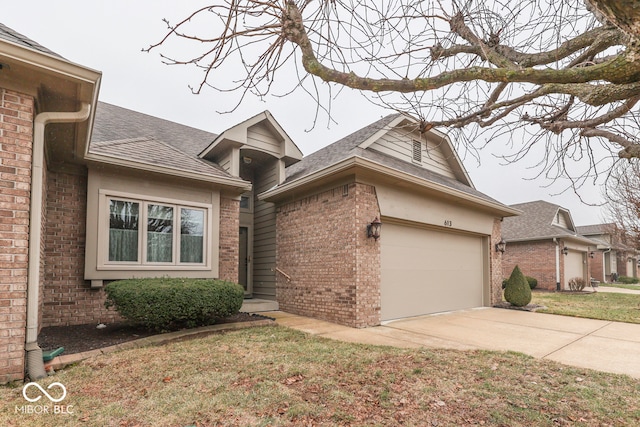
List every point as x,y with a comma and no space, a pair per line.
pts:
357,161
236,183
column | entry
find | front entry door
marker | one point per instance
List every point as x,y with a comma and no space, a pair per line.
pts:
244,260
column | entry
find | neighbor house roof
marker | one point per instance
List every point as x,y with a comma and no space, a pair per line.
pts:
537,222
13,36
593,229
349,147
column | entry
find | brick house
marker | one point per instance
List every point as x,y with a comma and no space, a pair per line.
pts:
544,243
91,193
611,257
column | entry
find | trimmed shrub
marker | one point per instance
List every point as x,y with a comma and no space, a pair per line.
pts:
628,280
533,282
517,291
173,303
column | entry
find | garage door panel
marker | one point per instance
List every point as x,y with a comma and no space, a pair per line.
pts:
573,266
428,271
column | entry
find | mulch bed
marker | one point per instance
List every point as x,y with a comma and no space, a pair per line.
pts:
80,338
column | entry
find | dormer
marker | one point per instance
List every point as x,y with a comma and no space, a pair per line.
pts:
257,141
563,219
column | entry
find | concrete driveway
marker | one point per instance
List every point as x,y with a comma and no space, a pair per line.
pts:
595,344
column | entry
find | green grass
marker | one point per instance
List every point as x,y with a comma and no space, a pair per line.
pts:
274,376
598,305
620,285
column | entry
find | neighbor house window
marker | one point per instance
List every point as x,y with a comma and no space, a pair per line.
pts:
151,233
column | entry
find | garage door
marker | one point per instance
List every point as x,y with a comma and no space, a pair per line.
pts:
429,271
573,267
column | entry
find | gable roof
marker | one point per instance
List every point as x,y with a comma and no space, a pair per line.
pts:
238,136
537,222
349,151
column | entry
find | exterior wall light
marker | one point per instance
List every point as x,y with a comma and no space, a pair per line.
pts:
501,246
565,250
373,229
592,254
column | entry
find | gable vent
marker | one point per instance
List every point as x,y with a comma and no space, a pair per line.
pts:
417,151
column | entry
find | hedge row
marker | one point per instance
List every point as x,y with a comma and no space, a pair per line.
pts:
171,303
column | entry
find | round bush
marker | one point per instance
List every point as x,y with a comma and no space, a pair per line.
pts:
533,282
170,303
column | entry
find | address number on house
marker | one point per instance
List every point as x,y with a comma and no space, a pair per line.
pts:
448,223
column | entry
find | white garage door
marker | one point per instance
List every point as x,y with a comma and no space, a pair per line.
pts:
573,267
428,271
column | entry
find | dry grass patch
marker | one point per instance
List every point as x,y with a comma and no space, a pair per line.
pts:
597,305
274,376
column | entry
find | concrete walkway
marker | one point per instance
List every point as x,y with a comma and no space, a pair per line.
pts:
586,343
606,289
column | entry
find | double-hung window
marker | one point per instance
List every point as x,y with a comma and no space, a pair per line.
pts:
149,233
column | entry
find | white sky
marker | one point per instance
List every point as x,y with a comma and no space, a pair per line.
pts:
108,36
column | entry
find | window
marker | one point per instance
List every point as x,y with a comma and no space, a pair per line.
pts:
417,151
147,233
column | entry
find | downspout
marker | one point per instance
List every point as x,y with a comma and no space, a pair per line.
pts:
604,265
35,365
557,264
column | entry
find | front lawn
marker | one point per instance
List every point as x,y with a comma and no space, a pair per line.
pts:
620,285
597,305
274,376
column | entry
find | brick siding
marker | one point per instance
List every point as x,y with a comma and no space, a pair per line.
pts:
334,269
495,265
16,142
535,259
68,298
229,239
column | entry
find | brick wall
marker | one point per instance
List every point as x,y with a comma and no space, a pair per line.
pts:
495,264
68,298
322,246
229,239
16,141
596,266
535,259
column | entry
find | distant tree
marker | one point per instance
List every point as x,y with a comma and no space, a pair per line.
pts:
623,204
564,72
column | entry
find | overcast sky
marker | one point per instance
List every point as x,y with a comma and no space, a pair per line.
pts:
108,36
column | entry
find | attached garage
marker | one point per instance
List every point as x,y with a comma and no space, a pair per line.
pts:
426,270
574,266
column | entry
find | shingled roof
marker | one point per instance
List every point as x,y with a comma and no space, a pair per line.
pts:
13,36
115,123
348,147
537,223
129,135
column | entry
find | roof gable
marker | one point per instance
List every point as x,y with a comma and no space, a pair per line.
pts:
243,135
432,150
540,220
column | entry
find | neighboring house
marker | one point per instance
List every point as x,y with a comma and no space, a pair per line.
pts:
544,243
611,256
104,193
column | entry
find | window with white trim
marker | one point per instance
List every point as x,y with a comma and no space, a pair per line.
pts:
155,233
